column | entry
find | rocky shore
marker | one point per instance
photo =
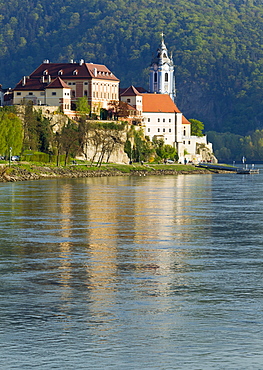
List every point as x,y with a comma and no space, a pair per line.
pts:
25,172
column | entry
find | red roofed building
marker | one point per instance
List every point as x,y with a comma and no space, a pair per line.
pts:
95,81
162,119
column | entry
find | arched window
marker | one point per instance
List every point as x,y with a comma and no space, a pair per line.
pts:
166,77
155,76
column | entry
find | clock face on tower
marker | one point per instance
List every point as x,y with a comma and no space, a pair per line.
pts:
155,67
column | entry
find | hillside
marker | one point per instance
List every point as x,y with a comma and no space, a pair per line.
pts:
216,44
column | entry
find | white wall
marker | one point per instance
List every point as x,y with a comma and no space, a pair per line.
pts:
161,125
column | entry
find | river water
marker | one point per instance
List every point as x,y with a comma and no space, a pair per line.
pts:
132,273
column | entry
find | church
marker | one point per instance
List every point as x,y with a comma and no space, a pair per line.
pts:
54,85
159,114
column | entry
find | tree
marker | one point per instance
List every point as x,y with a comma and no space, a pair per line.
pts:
164,151
11,132
69,139
83,107
197,127
119,109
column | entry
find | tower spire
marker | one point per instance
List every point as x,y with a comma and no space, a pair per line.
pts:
162,79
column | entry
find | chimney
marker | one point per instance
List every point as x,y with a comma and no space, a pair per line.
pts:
24,81
49,78
46,61
81,62
95,72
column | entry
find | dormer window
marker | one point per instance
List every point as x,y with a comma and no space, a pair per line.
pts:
60,73
45,73
75,72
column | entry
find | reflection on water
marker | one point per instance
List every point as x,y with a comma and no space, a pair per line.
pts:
136,273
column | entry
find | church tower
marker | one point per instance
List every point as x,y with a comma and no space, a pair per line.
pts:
162,79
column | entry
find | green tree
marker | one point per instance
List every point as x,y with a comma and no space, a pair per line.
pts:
11,133
83,107
197,127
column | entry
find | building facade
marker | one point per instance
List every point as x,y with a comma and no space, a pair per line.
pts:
94,81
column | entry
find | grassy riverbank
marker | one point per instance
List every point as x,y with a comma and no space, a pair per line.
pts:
32,171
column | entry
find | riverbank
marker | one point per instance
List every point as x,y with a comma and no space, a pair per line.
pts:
27,171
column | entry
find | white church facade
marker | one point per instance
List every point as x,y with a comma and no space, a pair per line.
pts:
160,116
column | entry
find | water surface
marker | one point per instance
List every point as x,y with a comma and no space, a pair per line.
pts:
132,273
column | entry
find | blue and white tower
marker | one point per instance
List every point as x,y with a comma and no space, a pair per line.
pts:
162,79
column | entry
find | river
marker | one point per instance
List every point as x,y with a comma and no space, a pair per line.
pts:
132,273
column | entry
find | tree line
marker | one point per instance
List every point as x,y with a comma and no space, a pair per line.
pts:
216,45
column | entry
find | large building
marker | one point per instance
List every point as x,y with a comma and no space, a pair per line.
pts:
159,114
63,83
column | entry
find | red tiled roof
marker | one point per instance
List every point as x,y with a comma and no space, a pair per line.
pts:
185,121
74,71
58,83
159,103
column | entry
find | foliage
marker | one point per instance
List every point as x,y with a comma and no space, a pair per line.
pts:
37,130
217,48
11,132
231,147
142,148
119,109
197,127
83,107
163,150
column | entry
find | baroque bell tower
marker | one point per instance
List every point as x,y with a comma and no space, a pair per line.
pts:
162,79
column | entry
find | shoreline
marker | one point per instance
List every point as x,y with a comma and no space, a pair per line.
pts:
27,171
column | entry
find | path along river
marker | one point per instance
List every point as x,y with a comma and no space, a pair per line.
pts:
132,273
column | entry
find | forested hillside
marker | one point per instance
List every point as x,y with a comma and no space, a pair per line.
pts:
216,44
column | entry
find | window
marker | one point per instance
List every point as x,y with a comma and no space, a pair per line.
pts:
158,119
85,83
18,93
170,130
85,93
163,129
73,93
189,142
166,77
128,100
158,130
149,120
163,119
30,93
149,129
170,120
184,132
42,92
75,72
155,77
69,83
54,93
183,142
